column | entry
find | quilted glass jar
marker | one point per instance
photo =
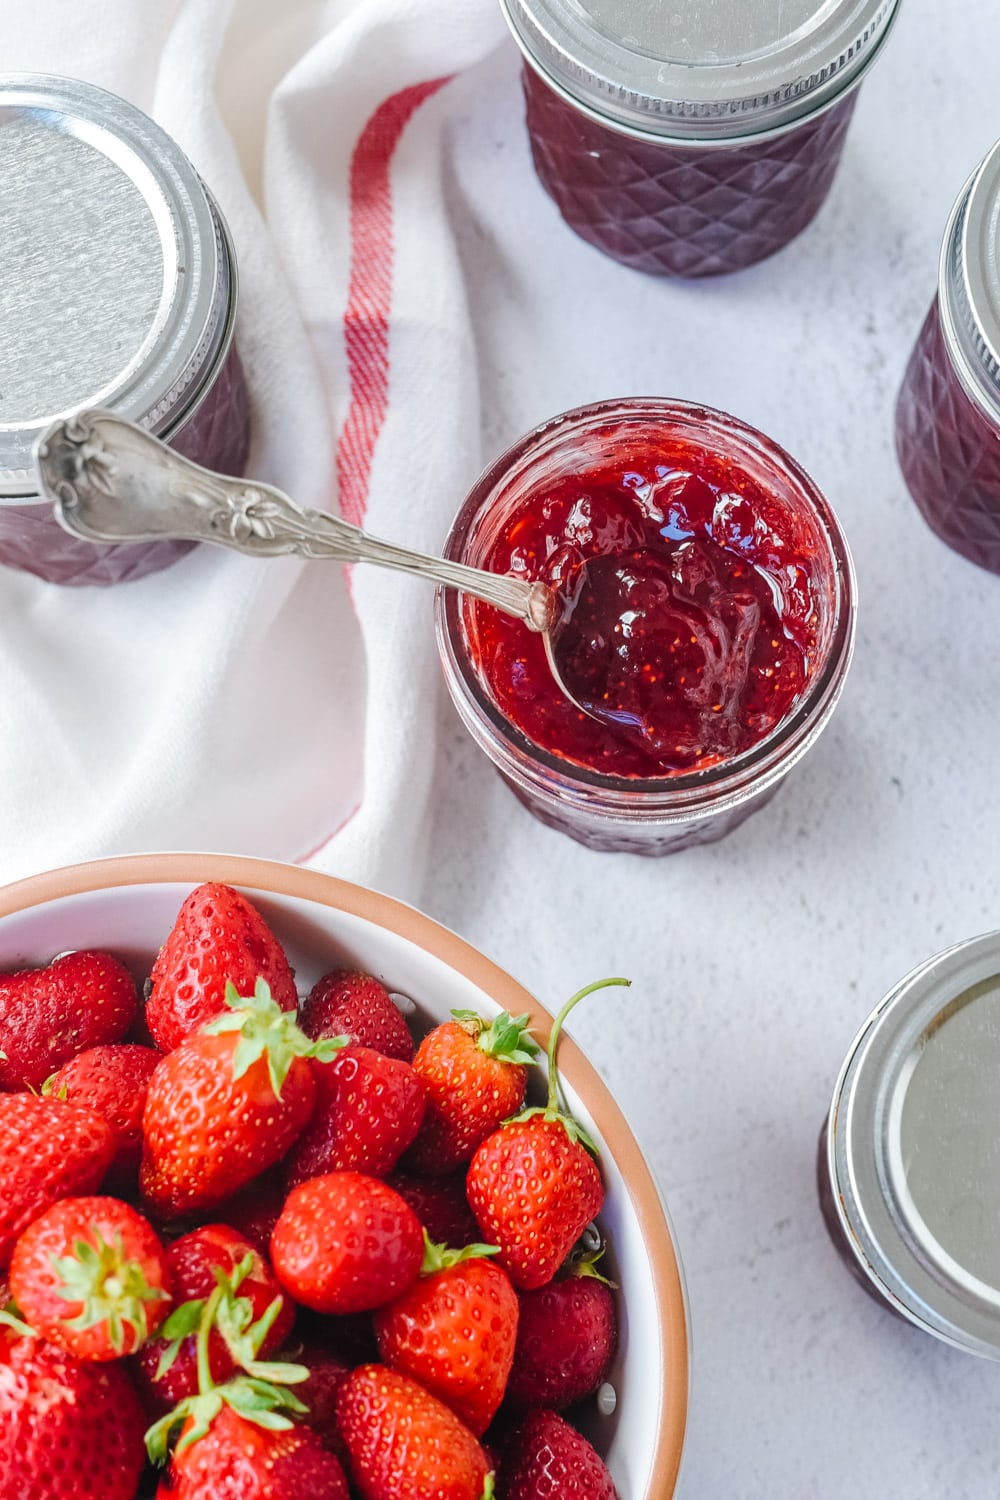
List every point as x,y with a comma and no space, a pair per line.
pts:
692,139
598,483
117,290
948,410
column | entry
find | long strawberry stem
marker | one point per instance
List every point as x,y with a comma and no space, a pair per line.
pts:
557,1025
550,1109
205,1325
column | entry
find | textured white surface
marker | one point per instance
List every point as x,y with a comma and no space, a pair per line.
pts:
755,960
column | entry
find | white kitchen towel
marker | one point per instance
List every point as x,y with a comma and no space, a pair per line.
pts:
271,707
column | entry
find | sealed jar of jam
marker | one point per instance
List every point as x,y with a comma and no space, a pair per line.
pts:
909,1163
707,622
948,411
117,290
690,139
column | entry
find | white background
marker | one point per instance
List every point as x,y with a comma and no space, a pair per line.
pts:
222,704
755,960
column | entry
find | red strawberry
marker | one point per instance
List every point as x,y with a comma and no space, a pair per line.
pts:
349,1003
533,1185
91,1276
453,1330
47,1016
48,1150
368,1110
238,1459
544,1458
404,1443
475,1076
533,1189
346,1243
565,1340
113,1081
247,1324
226,1105
219,938
66,1427
441,1206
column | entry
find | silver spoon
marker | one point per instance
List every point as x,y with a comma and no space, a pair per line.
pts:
111,481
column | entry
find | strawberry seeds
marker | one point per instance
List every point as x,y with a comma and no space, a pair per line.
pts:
286,1261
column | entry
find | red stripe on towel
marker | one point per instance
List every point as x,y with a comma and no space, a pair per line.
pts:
366,317
369,294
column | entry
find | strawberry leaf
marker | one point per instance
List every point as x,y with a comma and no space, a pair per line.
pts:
505,1038
573,1128
181,1323
266,1032
582,1262
9,1319
439,1258
112,1289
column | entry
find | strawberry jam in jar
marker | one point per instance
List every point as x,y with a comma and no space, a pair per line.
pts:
948,410
691,139
706,599
118,290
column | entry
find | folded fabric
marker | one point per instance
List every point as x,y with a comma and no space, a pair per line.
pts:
271,707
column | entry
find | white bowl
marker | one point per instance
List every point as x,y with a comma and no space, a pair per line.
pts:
129,904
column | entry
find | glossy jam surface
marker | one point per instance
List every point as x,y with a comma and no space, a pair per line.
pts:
217,436
691,613
949,451
682,210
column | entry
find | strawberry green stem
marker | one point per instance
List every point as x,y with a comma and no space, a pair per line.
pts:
265,1031
438,1257
557,1025
205,1326
111,1288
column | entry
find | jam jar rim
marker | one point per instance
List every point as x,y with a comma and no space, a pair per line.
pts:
675,796
208,338
801,108
885,1245
201,385
964,345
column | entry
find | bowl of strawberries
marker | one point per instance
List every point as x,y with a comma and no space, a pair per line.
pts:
302,1198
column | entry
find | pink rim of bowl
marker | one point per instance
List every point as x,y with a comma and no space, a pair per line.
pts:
21,933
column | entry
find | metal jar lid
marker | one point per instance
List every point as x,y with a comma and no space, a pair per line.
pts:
914,1146
117,281
698,71
969,285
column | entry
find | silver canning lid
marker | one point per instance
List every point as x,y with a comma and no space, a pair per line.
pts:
969,285
700,70
116,281
914,1146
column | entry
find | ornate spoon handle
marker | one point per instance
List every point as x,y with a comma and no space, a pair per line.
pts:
111,481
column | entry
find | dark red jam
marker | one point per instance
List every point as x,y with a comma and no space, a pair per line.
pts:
692,616
682,210
949,451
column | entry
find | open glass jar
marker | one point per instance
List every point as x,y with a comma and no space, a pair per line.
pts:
948,410
117,290
692,139
757,633
909,1163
